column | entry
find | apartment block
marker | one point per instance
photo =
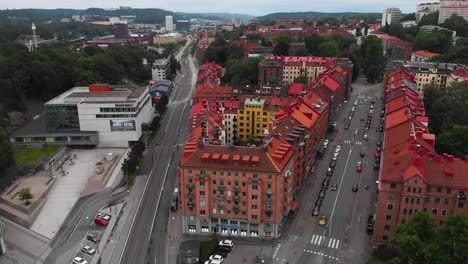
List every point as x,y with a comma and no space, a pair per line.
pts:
413,177
452,7
391,16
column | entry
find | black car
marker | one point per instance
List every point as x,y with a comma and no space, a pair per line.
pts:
332,164
377,160
318,202
315,211
379,144
224,249
355,188
322,193
223,253
370,229
334,187
376,166
362,154
92,237
325,182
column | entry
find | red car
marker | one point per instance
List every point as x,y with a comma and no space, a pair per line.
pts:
377,155
359,166
378,149
312,170
102,219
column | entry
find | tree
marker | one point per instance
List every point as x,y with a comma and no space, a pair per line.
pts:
274,81
25,195
454,141
328,49
458,24
456,54
372,58
436,41
312,43
162,104
409,17
282,45
237,72
411,236
429,19
302,79
6,153
300,52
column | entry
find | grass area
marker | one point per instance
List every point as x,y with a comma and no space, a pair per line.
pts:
29,156
207,248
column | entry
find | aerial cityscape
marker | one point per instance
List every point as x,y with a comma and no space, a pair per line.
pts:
247,132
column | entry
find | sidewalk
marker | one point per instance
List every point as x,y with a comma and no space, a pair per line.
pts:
33,248
174,236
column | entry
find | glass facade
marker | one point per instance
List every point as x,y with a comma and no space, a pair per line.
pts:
62,117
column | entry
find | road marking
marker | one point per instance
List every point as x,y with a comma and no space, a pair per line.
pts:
319,239
330,242
321,254
337,244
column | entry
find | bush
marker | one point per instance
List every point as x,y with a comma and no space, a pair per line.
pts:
385,253
207,248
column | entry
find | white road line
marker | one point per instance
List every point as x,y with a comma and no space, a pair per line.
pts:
330,242
337,243
312,239
320,240
316,240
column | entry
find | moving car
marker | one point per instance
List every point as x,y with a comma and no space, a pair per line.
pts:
359,166
354,188
78,260
338,148
365,137
362,154
322,221
226,243
88,250
334,187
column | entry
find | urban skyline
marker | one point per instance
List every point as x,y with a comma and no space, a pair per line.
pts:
256,8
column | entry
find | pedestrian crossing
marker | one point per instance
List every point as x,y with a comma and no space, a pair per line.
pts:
356,142
323,241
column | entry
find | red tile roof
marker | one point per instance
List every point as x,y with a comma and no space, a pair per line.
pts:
425,53
296,88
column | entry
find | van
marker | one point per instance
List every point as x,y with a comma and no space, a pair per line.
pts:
175,200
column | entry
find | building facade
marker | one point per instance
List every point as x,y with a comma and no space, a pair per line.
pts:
253,118
412,176
422,56
391,16
160,70
423,9
169,23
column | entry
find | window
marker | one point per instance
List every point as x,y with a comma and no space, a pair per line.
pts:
391,196
419,190
418,200
214,182
437,200
429,189
408,189
390,207
214,191
439,189
387,227
434,211
254,197
406,200
412,200
202,184
461,205
446,201
243,184
385,238
214,210
393,185
427,199
388,217
202,193
424,209
411,211
202,212
404,211
254,217
449,190
254,207
202,203
444,212
254,187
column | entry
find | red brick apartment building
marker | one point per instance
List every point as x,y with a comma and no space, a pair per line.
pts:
209,84
412,176
248,191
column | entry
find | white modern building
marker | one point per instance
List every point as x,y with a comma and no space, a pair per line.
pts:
423,9
100,115
452,7
169,23
160,69
391,16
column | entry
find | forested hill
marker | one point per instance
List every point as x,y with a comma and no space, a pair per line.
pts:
312,14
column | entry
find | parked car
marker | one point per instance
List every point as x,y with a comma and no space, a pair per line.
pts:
312,170
354,188
318,202
334,187
322,193
378,149
217,257
226,243
92,237
212,262
315,211
88,250
333,163
379,144
365,137
362,154
325,143
377,155
376,166
325,182
338,148
78,260
322,221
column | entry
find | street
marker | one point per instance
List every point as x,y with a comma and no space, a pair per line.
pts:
146,241
343,238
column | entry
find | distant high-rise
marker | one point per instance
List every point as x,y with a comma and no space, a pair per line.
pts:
33,28
169,23
391,16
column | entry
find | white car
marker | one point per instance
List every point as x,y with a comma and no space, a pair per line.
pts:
226,243
78,260
325,143
217,258
212,262
88,250
338,148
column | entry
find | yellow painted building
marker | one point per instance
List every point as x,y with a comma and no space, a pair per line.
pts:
433,75
253,118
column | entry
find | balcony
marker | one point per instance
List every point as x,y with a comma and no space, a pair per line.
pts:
268,211
189,186
269,191
221,187
221,197
203,176
269,201
254,179
190,195
235,208
235,198
190,204
236,188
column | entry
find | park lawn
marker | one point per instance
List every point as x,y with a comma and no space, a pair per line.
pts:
207,248
29,156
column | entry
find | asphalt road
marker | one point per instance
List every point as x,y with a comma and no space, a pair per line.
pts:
146,241
78,223
344,238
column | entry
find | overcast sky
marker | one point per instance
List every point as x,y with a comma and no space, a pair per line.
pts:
252,7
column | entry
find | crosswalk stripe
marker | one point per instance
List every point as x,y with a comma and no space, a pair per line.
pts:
337,243
320,240
313,238
330,242
316,239
333,244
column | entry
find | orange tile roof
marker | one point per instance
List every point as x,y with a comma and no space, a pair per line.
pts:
425,53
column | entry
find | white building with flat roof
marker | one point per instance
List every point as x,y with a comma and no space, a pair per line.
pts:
391,16
116,113
169,23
